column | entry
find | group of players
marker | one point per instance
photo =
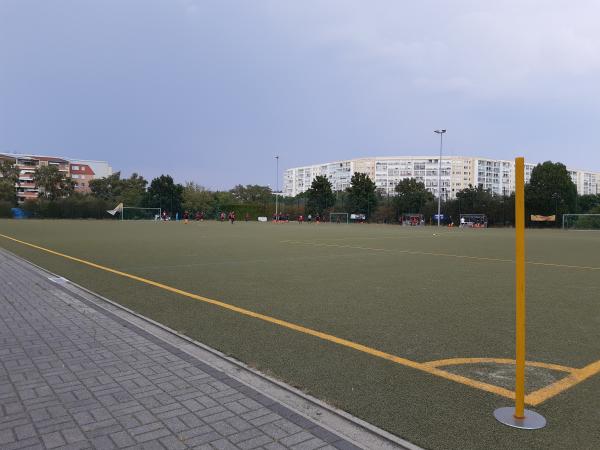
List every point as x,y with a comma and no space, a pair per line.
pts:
300,218
231,217
199,216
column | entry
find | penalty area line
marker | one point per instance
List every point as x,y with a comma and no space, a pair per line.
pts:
447,255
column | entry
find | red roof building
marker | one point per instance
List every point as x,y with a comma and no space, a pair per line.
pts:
81,174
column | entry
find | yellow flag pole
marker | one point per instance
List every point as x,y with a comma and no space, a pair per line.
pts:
519,417
520,286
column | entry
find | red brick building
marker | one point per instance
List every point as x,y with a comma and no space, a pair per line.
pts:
81,174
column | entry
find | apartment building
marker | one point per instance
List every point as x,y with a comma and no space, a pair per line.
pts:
81,174
457,173
80,171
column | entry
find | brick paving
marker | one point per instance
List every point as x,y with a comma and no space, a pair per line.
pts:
74,376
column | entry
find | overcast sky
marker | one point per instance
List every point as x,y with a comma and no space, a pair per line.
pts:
211,91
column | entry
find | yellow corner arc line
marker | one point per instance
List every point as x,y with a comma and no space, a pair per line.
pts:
575,377
461,361
590,370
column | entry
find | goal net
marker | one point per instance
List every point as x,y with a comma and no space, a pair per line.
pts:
412,219
581,222
135,213
339,217
473,221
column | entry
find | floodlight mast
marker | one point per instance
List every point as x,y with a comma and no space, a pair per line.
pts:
277,190
441,133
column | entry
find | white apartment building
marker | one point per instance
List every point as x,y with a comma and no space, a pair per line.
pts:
457,173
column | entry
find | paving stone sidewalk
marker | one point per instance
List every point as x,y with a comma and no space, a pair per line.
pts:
75,376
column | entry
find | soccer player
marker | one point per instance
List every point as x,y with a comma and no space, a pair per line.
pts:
186,216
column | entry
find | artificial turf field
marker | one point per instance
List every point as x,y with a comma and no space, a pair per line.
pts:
394,304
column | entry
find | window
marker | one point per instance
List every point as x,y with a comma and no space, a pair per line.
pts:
75,167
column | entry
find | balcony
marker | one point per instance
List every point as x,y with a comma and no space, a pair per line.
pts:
28,194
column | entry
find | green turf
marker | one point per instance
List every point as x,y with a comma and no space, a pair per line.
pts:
381,286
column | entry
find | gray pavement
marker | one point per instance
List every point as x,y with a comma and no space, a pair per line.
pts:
76,375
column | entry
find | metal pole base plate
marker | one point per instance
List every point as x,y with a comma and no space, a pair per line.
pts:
531,421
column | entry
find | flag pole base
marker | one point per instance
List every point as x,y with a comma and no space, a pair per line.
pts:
531,421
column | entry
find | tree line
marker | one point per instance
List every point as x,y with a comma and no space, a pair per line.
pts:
59,199
549,192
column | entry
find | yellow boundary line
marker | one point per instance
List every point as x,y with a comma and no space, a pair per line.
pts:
448,255
576,376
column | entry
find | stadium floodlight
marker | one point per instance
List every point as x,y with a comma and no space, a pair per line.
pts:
277,187
441,133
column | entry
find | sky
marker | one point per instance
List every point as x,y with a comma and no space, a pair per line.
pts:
211,90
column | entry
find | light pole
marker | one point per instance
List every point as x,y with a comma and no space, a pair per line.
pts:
441,133
277,190
556,196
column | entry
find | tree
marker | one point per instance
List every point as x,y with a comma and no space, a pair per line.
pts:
474,200
133,190
412,196
9,180
165,194
52,183
499,209
585,203
196,197
550,190
252,193
320,196
9,171
107,188
362,194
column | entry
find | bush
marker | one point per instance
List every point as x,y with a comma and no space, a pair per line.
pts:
5,209
78,206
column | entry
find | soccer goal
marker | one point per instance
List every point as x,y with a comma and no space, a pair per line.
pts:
473,221
339,217
581,222
412,219
135,213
